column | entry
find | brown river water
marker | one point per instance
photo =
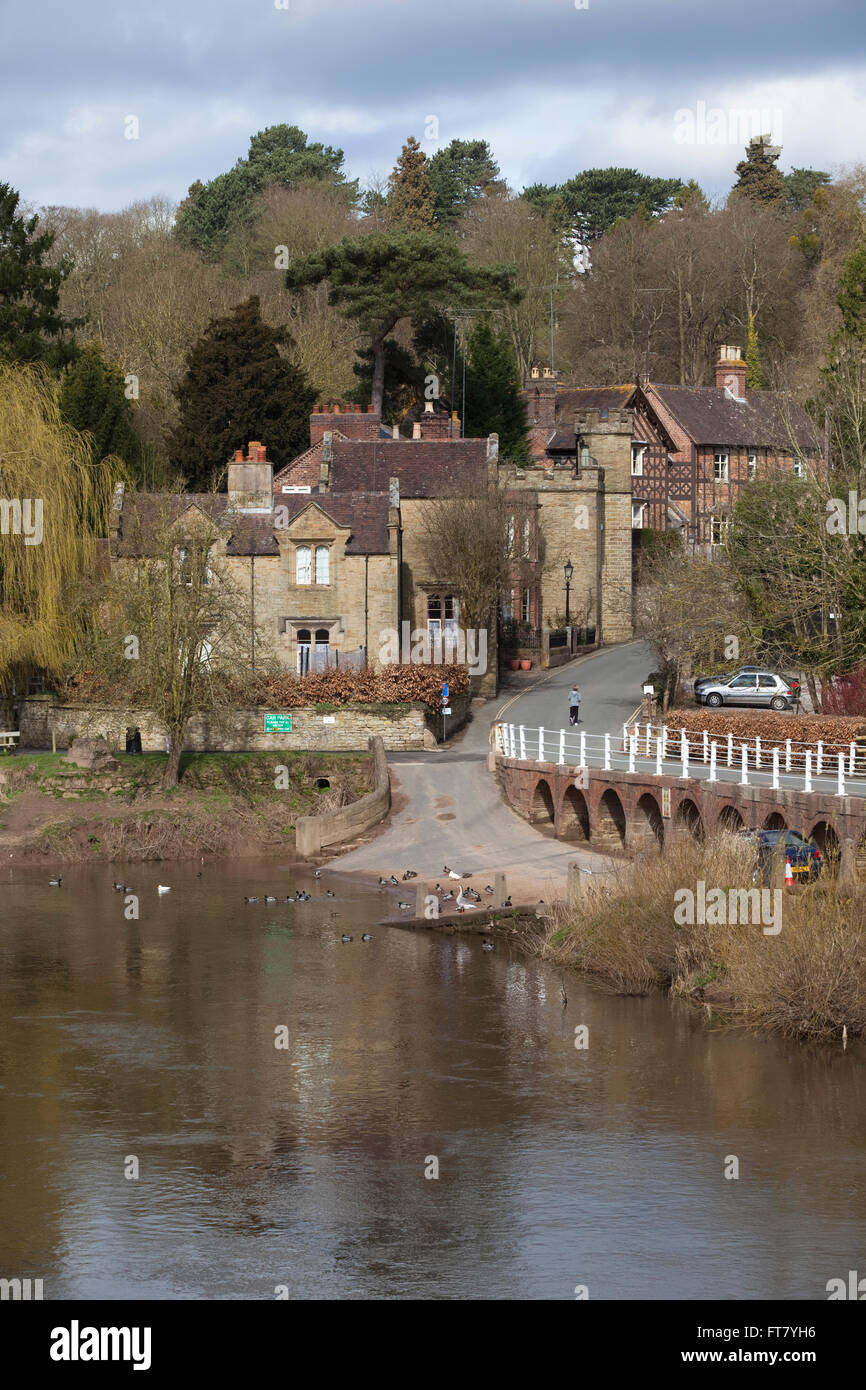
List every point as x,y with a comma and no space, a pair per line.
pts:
304,1167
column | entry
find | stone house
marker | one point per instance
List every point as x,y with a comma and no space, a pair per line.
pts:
333,550
693,449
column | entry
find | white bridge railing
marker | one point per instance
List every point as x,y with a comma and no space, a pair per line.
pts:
825,753
671,756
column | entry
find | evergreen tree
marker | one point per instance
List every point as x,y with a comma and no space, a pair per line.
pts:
236,388
493,401
801,186
592,202
32,328
851,295
460,173
279,155
93,400
404,381
754,371
410,197
388,276
757,175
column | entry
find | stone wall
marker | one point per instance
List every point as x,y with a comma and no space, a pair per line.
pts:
313,833
343,729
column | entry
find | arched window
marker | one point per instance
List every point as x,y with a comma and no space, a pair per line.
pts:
303,650
323,564
303,565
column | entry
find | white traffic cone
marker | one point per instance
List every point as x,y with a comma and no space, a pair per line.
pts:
789,873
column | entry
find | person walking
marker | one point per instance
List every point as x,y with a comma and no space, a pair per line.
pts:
574,699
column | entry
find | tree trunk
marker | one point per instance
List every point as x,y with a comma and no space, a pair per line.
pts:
171,775
378,374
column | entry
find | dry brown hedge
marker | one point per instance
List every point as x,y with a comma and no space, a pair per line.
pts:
835,731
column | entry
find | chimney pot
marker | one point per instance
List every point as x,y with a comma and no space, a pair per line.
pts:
395,431
337,408
416,430
370,409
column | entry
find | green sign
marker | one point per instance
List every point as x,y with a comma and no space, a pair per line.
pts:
278,723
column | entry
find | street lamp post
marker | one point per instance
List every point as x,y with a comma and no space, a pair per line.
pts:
568,567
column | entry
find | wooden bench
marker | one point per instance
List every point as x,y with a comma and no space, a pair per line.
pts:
7,740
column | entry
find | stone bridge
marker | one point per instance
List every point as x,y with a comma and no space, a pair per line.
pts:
615,810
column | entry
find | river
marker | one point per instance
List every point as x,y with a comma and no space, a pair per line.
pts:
150,1043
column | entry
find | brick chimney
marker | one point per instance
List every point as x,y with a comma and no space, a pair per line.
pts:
435,424
539,393
251,480
351,420
731,372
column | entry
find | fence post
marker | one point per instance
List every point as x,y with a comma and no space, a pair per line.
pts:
840,784
706,746
522,743
787,755
685,755
820,758
757,750
582,748
632,749
658,757
744,758
541,745
624,737
512,740
664,740
607,752
852,755
730,750
807,781
561,746
713,748
647,745
775,769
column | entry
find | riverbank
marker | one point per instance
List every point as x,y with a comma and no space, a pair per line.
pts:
235,804
792,964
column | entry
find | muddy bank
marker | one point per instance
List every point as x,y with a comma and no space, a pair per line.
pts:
226,805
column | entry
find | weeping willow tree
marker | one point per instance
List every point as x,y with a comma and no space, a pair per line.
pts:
53,508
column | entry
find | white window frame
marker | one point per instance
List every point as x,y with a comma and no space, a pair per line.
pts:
721,467
798,469
637,515
752,467
323,564
526,605
637,453
303,565
721,523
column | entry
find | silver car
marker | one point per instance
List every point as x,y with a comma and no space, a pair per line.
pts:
762,689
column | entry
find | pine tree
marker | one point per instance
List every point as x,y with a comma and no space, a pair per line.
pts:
410,199
32,329
236,388
493,401
757,175
754,370
93,400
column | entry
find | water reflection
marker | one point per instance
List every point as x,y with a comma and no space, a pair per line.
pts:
261,1166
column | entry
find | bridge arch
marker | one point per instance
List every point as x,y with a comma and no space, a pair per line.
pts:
688,820
775,821
609,821
573,819
542,809
730,819
827,840
648,824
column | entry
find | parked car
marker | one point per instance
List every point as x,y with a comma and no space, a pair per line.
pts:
804,856
720,680
761,689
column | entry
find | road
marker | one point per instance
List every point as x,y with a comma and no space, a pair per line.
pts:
447,808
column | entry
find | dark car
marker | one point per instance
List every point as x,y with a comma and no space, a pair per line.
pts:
803,855
761,689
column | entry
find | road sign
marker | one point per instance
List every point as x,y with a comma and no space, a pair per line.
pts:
446,710
445,692
278,723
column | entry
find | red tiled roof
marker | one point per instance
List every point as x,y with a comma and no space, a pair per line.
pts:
424,467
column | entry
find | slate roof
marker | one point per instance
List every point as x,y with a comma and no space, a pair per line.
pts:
765,420
252,533
574,398
424,467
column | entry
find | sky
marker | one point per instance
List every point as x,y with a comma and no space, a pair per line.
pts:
103,102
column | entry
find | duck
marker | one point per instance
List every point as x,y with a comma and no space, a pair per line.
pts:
446,897
383,882
410,873
329,894
462,902
365,936
393,880
119,887
163,888
507,902
487,945
250,900
404,907
269,898
318,873
488,888
451,874
344,937
55,882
